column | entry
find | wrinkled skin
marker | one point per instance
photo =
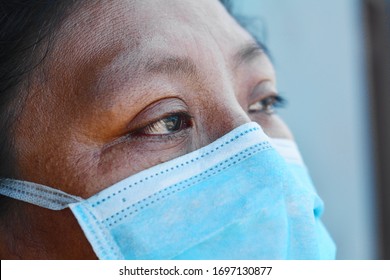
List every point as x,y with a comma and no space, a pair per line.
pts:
96,108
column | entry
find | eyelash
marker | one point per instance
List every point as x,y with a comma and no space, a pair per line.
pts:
180,121
176,122
268,105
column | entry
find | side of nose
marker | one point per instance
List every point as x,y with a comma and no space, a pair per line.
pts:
219,119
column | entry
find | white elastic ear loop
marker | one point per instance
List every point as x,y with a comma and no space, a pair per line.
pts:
288,149
37,194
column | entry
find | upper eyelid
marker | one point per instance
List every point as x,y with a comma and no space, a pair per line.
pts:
157,110
278,102
247,53
262,89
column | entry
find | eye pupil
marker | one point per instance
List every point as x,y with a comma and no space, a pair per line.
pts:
166,125
172,123
268,104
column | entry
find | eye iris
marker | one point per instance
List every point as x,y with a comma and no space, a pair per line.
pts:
167,125
268,104
172,123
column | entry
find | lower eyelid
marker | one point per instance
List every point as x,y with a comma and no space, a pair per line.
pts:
170,145
160,138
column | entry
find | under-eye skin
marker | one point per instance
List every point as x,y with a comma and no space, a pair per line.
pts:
162,133
268,104
169,126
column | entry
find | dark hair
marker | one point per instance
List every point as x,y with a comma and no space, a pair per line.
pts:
26,32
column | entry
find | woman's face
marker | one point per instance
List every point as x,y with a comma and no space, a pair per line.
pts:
131,84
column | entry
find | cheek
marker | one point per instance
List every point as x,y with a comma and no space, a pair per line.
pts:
64,165
65,240
128,158
272,125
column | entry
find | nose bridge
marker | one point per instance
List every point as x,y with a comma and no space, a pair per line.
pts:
232,117
220,118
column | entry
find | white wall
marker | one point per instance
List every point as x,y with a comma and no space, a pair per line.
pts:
318,51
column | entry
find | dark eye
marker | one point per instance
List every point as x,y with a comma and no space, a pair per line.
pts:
267,105
167,125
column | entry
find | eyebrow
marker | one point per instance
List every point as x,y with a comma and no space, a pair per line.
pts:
247,53
172,65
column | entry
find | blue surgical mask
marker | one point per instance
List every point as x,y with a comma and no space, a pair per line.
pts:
244,196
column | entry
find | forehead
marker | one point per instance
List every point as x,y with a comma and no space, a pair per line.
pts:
102,30
102,52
